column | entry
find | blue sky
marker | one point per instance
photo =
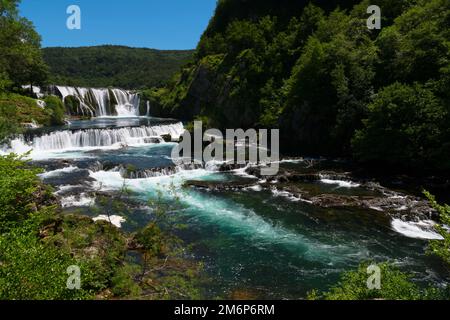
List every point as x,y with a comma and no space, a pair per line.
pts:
159,24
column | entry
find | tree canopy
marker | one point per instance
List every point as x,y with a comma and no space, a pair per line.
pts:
332,86
113,66
20,55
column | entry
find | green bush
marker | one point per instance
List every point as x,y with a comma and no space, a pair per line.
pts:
441,248
395,285
30,269
15,110
56,109
21,193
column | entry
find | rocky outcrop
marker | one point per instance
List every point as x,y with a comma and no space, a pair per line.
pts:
220,186
135,173
291,176
294,185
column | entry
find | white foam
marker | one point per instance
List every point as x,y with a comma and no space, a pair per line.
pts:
114,220
418,230
58,172
216,211
56,144
256,187
65,188
341,183
242,172
74,201
214,165
288,195
292,161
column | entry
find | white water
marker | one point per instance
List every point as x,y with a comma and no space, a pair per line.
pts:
103,102
91,139
57,172
341,183
114,220
289,196
148,109
418,230
81,201
220,212
36,90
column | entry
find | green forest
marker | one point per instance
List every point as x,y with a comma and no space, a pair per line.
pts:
113,66
332,86
312,69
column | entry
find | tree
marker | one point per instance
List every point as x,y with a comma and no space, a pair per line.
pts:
20,54
8,8
416,47
405,128
330,86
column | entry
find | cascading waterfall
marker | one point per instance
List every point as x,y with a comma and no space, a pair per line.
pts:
93,138
148,109
79,93
126,173
102,102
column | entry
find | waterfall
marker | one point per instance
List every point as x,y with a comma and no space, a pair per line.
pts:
37,91
126,173
127,103
103,102
148,109
80,94
94,138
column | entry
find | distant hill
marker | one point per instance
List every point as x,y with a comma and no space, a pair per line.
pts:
113,66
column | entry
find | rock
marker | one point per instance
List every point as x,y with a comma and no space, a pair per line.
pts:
334,201
230,167
134,173
152,140
167,137
216,186
31,125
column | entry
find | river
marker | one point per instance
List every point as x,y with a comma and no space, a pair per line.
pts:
258,240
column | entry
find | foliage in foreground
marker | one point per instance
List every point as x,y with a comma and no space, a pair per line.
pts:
395,285
29,268
38,243
441,248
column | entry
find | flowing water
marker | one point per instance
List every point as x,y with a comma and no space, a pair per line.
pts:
264,242
102,102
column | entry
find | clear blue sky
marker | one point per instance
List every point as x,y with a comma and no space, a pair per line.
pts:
159,24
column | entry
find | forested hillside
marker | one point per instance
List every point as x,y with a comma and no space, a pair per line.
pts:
21,63
113,66
333,87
